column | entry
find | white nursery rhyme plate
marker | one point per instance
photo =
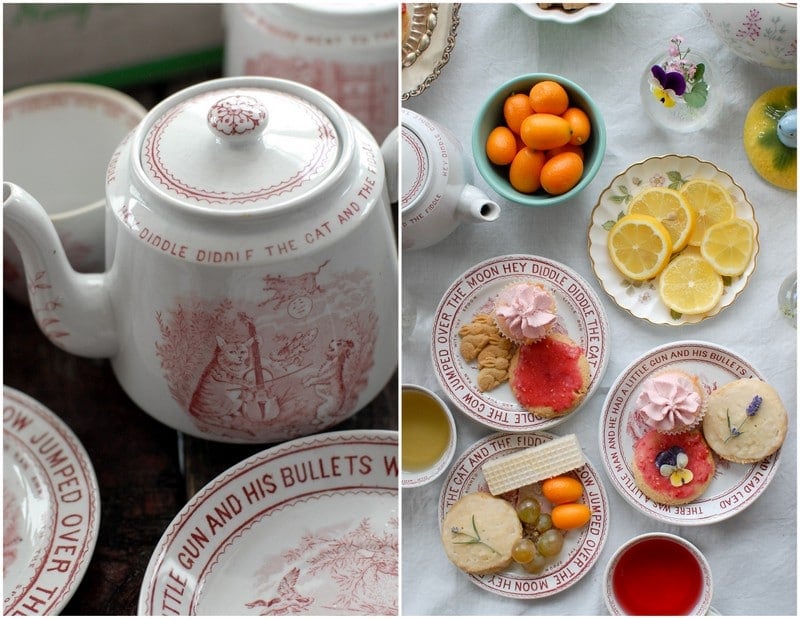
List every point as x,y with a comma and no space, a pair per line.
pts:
51,508
641,299
582,546
309,527
734,486
580,315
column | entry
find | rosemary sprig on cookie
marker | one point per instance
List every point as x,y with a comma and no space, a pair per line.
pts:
474,539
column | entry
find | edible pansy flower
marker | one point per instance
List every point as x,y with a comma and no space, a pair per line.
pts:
678,78
666,85
673,463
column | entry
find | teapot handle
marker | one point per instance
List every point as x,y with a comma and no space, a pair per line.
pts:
390,149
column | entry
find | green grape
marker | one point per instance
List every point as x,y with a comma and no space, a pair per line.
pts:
550,543
544,523
528,510
535,565
523,550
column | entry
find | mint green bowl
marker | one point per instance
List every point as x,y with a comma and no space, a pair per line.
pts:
490,116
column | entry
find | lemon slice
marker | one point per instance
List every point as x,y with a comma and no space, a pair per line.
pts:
728,246
690,285
639,246
669,207
711,203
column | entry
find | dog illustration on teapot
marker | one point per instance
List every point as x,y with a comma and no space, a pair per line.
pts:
328,382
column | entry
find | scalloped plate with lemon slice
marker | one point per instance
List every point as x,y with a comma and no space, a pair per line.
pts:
655,182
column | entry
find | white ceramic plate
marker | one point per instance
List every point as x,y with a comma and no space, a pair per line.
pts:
642,299
734,487
51,508
582,547
581,316
532,9
309,527
428,47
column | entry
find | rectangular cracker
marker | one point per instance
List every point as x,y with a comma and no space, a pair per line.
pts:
533,464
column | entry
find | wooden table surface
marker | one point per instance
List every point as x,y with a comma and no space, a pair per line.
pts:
146,471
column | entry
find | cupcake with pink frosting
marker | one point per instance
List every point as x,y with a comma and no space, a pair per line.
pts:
525,312
671,402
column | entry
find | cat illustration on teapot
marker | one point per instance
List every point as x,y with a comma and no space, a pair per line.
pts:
228,388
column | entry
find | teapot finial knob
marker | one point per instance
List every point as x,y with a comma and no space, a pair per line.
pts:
238,118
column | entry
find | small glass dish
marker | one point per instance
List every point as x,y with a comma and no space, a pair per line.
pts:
679,89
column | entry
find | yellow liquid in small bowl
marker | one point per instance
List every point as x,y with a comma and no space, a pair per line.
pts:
425,431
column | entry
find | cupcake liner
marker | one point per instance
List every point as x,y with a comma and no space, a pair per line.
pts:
681,428
503,328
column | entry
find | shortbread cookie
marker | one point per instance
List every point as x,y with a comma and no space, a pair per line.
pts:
745,421
479,531
673,469
481,341
550,377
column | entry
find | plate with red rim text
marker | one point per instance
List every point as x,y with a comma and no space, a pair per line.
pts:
734,486
582,546
51,508
309,527
641,299
581,316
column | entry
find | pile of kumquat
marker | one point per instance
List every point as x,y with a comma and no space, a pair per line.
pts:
541,141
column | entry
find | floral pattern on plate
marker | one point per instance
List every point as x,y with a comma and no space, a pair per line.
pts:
307,527
734,487
51,508
581,316
641,299
582,547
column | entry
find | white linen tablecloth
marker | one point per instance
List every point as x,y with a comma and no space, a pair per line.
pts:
753,554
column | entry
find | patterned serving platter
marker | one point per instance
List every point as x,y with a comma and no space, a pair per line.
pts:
309,527
642,299
581,316
430,40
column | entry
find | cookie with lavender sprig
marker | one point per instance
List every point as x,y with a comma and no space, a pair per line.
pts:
745,421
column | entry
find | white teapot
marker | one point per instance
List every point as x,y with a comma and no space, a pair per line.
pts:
436,189
250,291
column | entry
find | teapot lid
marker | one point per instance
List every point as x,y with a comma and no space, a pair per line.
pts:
256,144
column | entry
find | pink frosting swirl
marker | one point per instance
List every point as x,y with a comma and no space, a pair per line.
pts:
526,311
669,401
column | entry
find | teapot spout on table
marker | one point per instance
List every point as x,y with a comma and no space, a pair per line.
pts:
72,309
474,206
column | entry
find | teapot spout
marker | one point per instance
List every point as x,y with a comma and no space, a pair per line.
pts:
475,206
72,309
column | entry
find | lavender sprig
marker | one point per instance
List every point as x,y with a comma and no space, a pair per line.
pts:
750,411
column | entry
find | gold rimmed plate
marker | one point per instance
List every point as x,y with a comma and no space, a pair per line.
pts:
427,44
641,299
